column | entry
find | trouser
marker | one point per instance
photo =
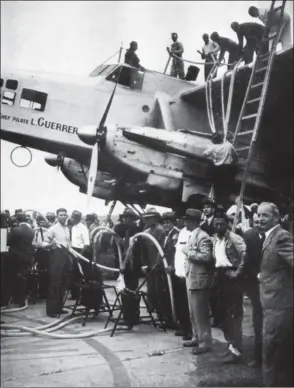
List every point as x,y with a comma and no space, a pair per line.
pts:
6,278
181,304
214,306
60,272
233,57
177,69
131,303
158,295
19,278
74,289
251,288
208,67
223,177
277,358
230,294
199,315
42,258
251,47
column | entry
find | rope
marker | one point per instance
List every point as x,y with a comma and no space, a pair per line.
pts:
226,116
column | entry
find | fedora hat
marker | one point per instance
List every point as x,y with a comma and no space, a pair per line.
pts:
129,213
151,212
169,216
210,202
193,215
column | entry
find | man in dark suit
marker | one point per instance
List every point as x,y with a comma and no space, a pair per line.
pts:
276,293
21,256
199,270
254,240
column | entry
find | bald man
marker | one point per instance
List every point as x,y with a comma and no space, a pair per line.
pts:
276,293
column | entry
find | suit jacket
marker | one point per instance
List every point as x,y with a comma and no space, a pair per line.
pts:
253,255
276,272
235,250
208,227
199,264
169,247
20,242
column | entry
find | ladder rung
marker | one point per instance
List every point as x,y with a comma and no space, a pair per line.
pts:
253,100
249,116
264,57
260,70
257,85
242,148
245,132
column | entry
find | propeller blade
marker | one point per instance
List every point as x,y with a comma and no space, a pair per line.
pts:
92,173
105,114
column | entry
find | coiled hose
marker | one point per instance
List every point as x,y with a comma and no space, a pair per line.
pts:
10,330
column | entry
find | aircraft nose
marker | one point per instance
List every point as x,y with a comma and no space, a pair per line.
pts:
53,161
87,134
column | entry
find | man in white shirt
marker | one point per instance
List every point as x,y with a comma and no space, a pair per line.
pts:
41,256
263,13
179,287
60,266
80,242
229,251
209,51
224,157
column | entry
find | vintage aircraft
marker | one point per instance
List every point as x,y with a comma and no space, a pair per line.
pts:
115,132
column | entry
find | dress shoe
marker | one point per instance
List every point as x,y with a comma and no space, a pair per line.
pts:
201,350
187,337
52,315
232,359
190,344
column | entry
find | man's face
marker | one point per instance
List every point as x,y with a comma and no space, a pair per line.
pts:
208,210
205,38
39,220
75,219
168,225
190,224
267,219
221,226
127,220
62,217
89,223
174,37
151,221
255,221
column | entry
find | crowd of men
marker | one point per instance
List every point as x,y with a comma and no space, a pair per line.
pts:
211,268
251,32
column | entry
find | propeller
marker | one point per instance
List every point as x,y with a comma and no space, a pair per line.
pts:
99,138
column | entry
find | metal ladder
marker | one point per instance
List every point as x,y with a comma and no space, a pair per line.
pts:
245,138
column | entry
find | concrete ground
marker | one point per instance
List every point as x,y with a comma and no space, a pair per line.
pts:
121,361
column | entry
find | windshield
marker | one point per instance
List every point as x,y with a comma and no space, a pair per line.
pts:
102,69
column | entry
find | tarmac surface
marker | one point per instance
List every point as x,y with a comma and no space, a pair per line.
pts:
120,361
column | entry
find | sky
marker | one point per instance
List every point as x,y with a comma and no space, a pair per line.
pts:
74,37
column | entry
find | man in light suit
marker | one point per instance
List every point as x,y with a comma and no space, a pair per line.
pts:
276,294
199,268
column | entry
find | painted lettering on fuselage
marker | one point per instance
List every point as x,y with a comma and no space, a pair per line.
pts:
42,122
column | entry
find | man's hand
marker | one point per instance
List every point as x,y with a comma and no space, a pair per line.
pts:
169,270
185,250
168,50
145,269
232,274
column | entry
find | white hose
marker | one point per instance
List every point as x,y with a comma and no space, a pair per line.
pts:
208,95
156,243
7,310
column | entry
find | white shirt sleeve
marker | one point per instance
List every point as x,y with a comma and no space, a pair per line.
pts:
86,237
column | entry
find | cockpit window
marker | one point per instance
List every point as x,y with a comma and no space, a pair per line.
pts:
32,99
11,84
8,98
102,70
128,76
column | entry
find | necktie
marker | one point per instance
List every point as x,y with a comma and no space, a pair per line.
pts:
262,239
42,236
